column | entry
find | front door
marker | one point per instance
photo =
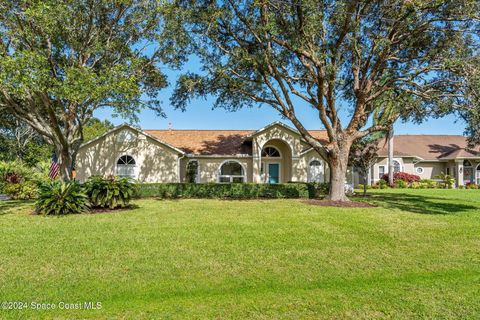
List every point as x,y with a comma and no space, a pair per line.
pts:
273,173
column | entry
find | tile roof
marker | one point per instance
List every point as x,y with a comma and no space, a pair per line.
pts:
430,147
213,142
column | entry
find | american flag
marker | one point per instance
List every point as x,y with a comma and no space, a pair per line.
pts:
54,167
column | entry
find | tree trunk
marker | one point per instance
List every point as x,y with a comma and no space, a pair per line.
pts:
390,157
338,172
365,181
65,162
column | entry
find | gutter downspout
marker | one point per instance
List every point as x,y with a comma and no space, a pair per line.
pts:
179,179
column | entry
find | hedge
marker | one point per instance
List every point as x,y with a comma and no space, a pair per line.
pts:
229,190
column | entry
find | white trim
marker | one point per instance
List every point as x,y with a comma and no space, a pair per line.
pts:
271,146
276,123
309,173
385,171
219,171
135,166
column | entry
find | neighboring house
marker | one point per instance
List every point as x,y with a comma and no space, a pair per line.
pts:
274,154
429,155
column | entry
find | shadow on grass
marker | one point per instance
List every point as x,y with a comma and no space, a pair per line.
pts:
416,203
6,206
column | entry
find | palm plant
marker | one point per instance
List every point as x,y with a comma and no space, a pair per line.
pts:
56,198
446,180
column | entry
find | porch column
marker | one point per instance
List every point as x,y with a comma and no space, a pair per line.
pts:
459,171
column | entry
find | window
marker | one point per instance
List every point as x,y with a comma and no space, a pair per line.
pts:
396,166
467,163
315,171
126,167
419,170
191,174
381,172
231,171
270,152
447,170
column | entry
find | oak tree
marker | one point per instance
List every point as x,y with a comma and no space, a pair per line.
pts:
62,60
332,55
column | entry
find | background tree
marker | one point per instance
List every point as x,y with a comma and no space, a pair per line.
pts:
334,56
19,142
363,154
95,127
62,60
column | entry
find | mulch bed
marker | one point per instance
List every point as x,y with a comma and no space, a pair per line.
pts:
340,204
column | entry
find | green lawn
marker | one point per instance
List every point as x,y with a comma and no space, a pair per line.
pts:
415,256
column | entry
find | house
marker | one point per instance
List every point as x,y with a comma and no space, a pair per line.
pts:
427,156
273,154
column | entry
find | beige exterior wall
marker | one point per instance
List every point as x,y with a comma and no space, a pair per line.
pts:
209,167
155,162
430,169
301,166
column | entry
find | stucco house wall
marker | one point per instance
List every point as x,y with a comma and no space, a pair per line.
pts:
209,167
154,161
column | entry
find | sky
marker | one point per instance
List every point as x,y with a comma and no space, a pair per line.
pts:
200,115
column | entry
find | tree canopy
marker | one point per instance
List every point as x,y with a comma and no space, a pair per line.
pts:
62,60
359,55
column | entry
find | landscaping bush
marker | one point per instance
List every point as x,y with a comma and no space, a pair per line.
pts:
110,192
471,185
21,191
406,177
56,198
400,184
229,190
19,181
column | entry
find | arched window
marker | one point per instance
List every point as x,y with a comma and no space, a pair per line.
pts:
191,173
315,172
271,152
231,171
396,166
126,167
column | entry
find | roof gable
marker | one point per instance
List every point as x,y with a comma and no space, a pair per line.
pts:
429,147
127,126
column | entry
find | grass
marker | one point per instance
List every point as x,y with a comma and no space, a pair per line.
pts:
417,255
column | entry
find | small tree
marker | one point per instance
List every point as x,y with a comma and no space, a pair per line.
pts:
62,60
363,155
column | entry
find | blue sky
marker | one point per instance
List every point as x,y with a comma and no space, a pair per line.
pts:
200,115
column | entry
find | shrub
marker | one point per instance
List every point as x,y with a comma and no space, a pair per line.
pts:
111,192
56,198
21,191
447,181
400,184
406,177
471,185
429,183
382,184
229,190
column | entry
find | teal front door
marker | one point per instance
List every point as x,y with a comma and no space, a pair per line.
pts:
273,173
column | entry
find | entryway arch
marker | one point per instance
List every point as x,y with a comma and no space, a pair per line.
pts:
276,161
